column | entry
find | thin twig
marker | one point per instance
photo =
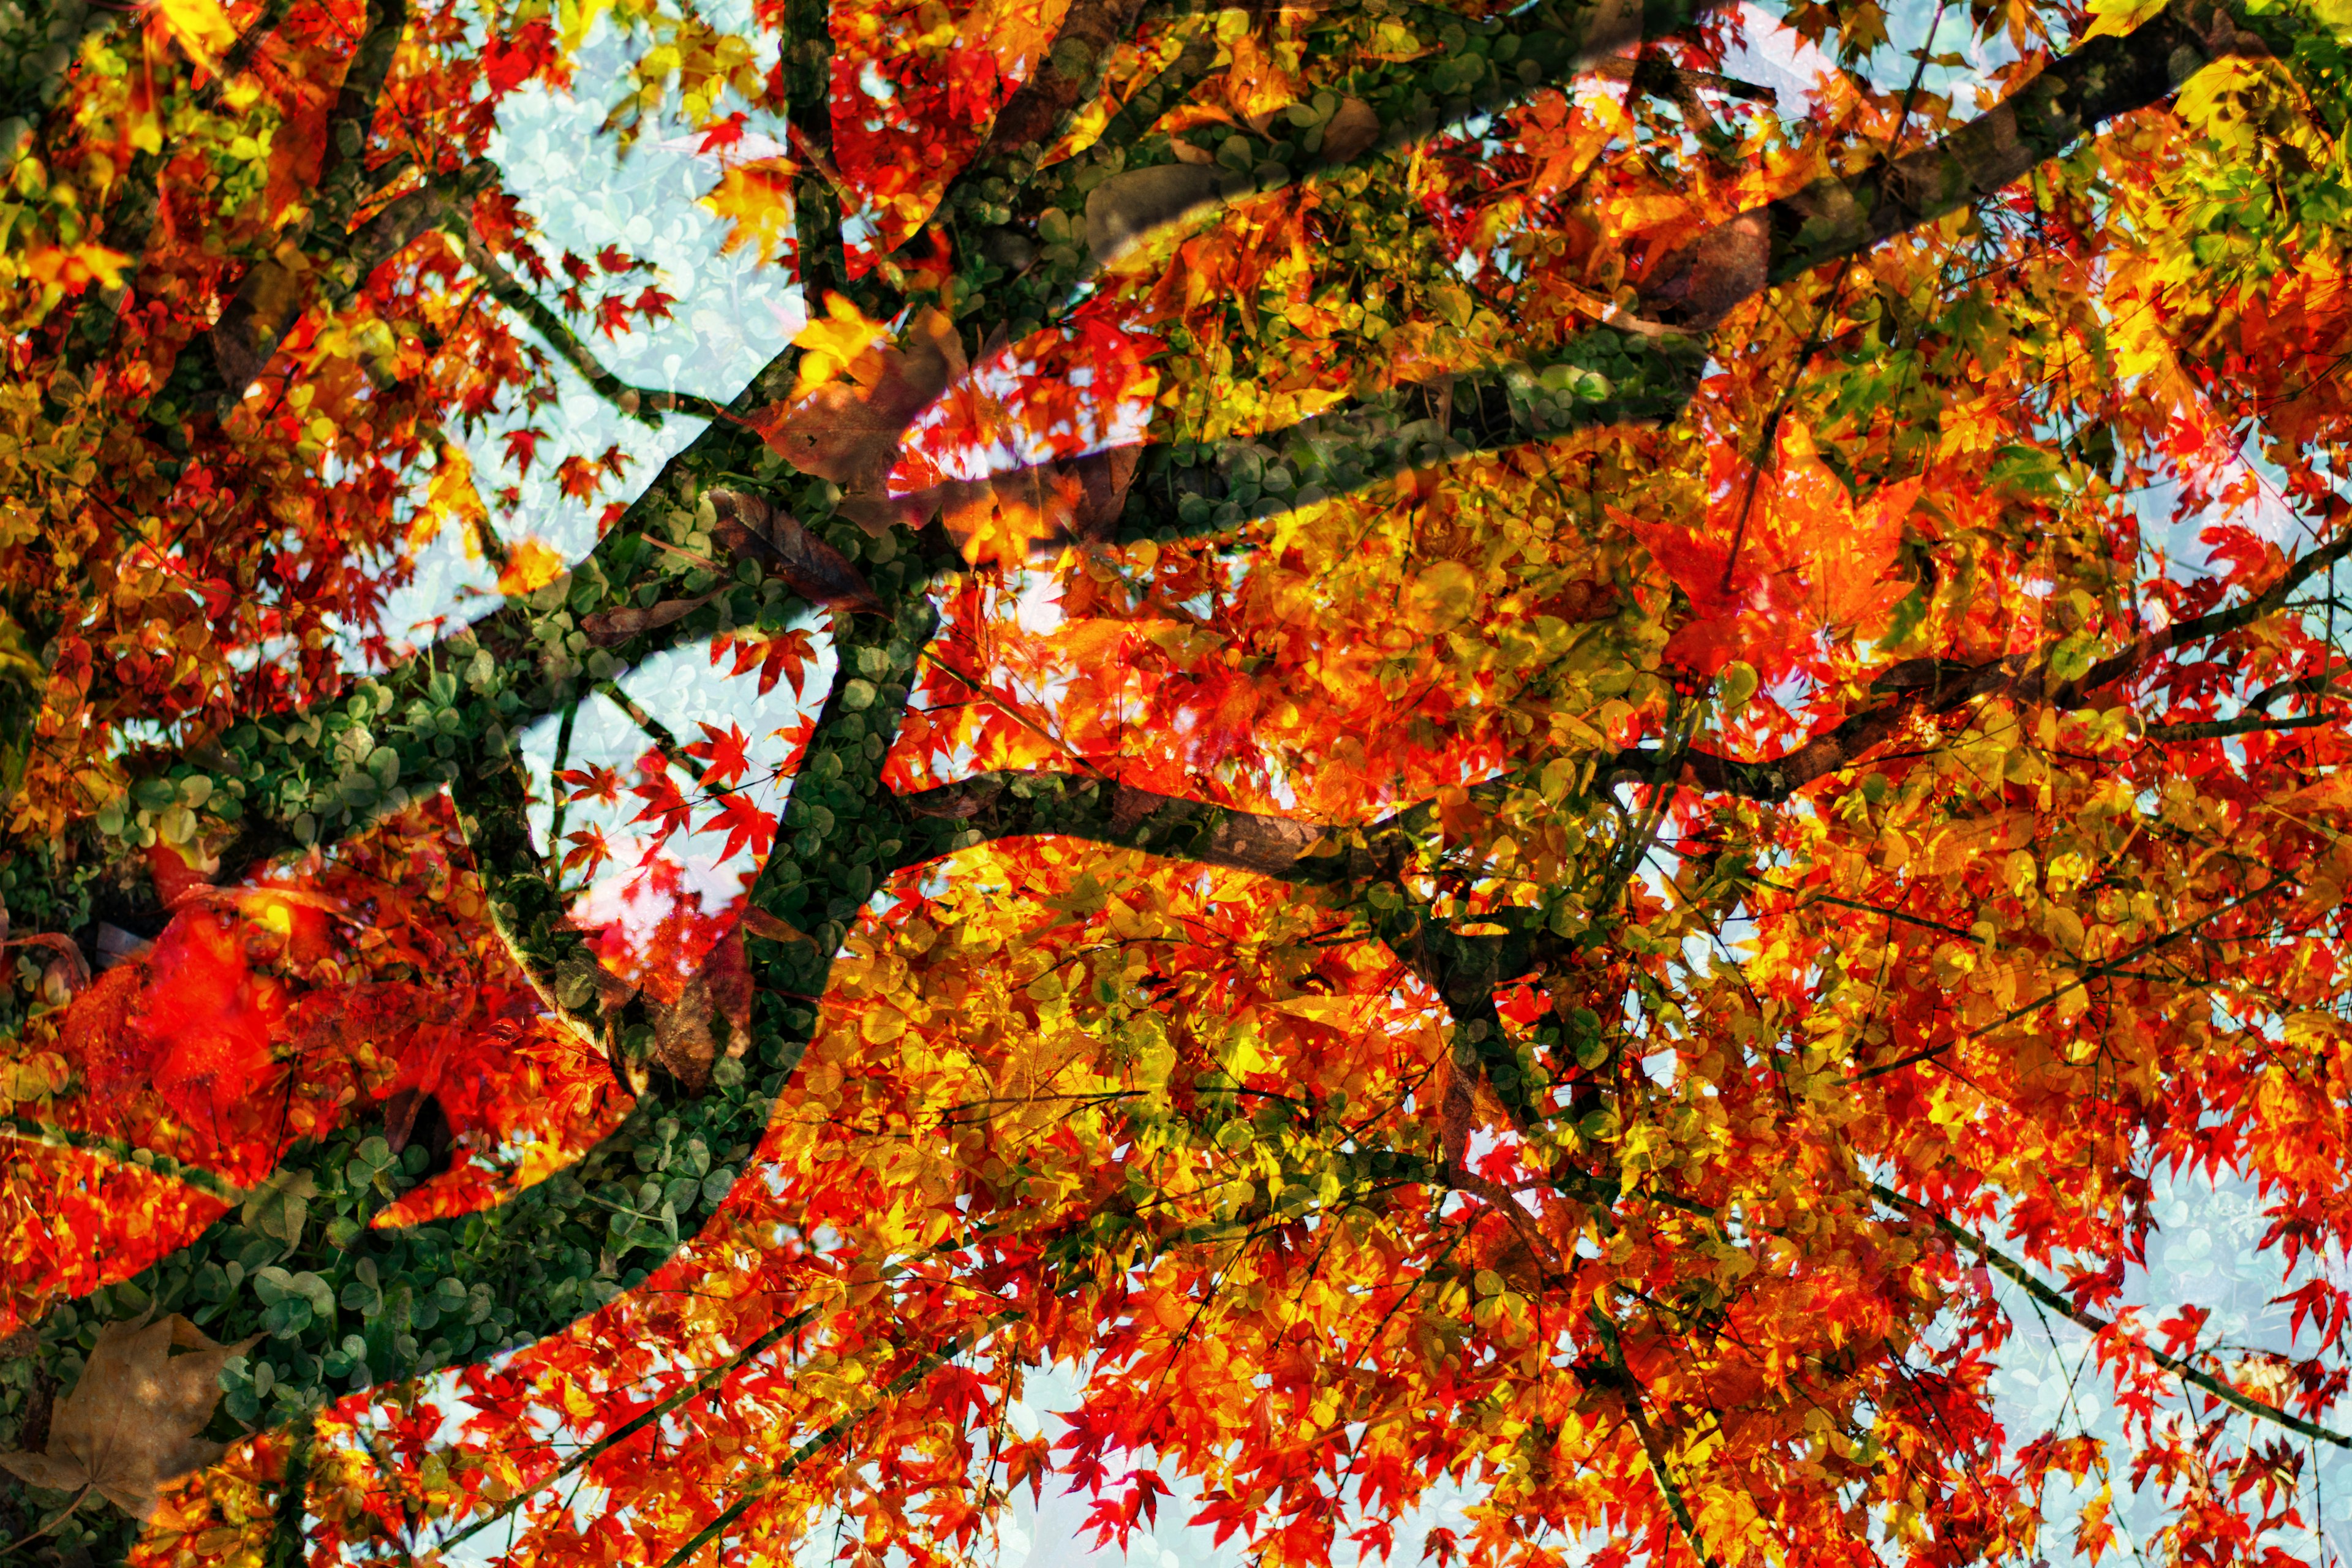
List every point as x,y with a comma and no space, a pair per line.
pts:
61,1516
842,1427
2179,1368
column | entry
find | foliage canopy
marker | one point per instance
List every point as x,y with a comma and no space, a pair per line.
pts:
1512,761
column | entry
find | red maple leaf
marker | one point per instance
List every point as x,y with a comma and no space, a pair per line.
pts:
210,1017
578,477
664,804
2181,1333
522,445
723,752
653,304
743,823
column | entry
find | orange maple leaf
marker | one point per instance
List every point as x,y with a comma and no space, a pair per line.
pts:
1783,555
532,565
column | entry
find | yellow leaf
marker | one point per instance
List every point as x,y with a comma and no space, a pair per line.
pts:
533,566
1339,1011
451,498
756,197
199,26
1444,594
2118,17
834,342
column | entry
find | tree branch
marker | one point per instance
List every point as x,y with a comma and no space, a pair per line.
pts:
269,297
1833,218
923,1366
2246,724
588,1453
1629,1395
2056,1302
2084,976
1555,39
1018,805
1946,687
1693,289
642,404
1069,70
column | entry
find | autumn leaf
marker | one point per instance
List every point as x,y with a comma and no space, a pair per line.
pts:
815,570
760,922
610,628
278,1204
1781,555
199,26
756,200
530,566
451,498
131,1423
856,397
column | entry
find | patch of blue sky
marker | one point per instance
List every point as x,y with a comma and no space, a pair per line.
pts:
731,315
1961,65
2202,1253
681,689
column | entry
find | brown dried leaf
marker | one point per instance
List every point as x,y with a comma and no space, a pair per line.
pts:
1125,207
1351,129
610,628
131,1423
682,1041
848,431
815,570
760,922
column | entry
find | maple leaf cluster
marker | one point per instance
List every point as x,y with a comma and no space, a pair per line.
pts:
1468,759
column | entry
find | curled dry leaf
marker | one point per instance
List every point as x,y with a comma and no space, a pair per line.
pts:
816,571
760,922
1353,127
610,628
131,1423
1125,207
848,430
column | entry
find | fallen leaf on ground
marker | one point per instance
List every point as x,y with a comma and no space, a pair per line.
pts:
131,1423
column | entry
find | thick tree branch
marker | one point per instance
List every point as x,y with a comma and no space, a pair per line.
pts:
269,297
1833,218
1013,805
1141,197
2058,1302
1198,490
2246,724
1181,491
1070,70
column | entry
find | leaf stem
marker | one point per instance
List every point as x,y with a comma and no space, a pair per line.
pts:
60,1518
